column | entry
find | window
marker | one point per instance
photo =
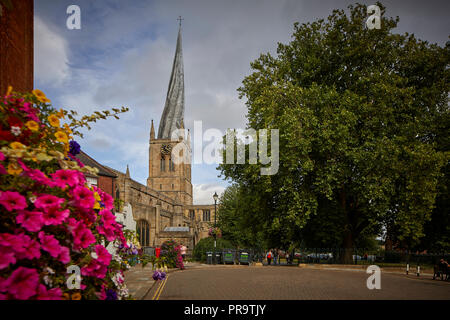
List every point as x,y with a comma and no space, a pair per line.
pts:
171,165
206,215
172,186
92,181
160,187
143,233
163,164
192,214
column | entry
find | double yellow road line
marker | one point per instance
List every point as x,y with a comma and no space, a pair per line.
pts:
160,288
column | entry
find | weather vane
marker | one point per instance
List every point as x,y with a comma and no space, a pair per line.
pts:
179,19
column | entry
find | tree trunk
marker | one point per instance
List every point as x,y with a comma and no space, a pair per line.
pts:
346,257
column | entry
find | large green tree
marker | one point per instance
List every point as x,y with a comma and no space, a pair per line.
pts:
357,111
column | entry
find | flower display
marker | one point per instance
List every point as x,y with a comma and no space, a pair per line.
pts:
215,232
172,252
51,218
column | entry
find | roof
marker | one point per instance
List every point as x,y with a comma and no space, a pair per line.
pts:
173,114
102,170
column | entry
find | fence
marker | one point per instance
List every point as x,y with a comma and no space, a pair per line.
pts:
358,256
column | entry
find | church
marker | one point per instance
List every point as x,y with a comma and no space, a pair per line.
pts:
163,209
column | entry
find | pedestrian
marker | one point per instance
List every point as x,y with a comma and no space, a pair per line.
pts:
275,256
183,252
269,257
287,258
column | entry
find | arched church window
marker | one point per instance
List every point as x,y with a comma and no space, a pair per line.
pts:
163,164
171,165
143,232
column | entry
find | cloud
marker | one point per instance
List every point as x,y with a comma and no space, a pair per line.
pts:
50,59
203,192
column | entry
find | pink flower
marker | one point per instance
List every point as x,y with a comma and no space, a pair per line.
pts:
12,200
52,294
64,255
22,284
7,257
30,248
61,178
30,220
104,257
84,198
2,169
50,244
82,236
13,247
48,201
94,269
2,156
53,216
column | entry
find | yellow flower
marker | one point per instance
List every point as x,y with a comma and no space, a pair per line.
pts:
54,120
16,145
60,114
97,196
40,96
14,169
76,296
67,128
61,136
10,89
97,206
32,125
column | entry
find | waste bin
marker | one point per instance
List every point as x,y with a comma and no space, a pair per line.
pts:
218,257
209,257
244,257
228,257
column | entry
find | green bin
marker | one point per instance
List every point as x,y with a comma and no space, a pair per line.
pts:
228,257
244,257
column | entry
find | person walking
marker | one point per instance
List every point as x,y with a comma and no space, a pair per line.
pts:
287,257
269,257
183,252
275,256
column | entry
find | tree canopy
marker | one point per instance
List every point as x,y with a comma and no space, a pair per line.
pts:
363,115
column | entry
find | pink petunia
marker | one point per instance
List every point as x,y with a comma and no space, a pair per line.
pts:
64,255
52,294
2,156
23,283
30,220
84,198
53,216
82,236
61,178
12,200
2,169
50,244
103,256
94,269
15,247
48,201
7,257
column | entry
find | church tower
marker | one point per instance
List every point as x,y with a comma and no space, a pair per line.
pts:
173,180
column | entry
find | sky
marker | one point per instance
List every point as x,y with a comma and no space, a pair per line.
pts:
123,55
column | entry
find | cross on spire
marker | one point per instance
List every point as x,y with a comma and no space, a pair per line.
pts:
179,19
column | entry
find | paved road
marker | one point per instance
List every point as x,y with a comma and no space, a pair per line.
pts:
291,283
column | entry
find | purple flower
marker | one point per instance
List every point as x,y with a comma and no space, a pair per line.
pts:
159,275
111,294
74,147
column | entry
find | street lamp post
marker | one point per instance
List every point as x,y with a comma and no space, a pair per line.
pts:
215,196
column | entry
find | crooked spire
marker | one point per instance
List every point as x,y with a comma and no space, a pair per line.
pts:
173,114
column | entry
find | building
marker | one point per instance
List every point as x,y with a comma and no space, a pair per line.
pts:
163,209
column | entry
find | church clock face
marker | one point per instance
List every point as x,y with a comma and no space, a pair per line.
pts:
166,149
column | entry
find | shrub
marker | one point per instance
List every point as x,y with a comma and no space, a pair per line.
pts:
207,244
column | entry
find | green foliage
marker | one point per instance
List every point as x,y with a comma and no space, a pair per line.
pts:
207,244
360,115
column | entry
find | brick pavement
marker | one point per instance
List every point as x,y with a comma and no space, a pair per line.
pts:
293,283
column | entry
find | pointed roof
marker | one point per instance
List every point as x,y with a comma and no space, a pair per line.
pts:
173,113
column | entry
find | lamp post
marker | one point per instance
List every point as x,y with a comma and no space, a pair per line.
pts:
215,196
